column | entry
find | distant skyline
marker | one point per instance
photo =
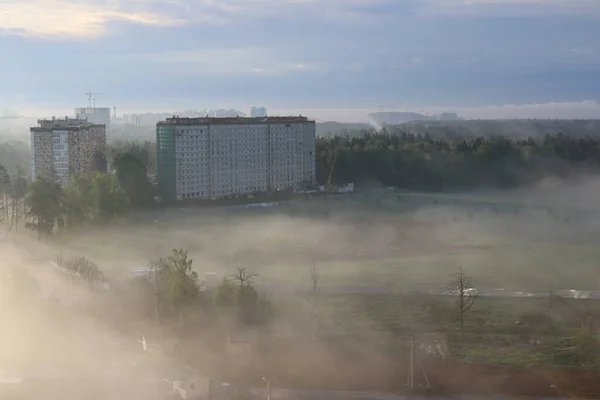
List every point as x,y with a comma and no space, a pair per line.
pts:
567,110
328,59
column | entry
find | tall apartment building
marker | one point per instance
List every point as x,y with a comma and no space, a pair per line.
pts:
208,158
60,147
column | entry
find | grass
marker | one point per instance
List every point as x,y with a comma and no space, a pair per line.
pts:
383,242
509,332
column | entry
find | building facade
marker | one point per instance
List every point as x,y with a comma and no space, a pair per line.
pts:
60,147
94,115
209,158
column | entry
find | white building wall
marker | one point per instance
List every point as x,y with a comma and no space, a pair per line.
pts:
192,161
220,160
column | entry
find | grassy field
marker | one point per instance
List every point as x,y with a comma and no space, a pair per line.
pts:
368,241
381,240
512,332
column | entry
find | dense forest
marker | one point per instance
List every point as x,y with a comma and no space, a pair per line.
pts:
422,162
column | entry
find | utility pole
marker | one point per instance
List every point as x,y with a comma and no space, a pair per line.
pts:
411,364
268,387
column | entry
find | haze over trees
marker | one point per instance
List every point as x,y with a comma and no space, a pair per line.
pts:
421,162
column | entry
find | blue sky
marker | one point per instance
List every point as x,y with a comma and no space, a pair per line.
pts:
299,54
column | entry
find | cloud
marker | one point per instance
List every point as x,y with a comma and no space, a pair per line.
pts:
228,61
91,18
497,8
66,18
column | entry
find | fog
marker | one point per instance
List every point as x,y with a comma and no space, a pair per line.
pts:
536,239
376,238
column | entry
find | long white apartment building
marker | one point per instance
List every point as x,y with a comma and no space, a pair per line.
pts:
209,158
61,147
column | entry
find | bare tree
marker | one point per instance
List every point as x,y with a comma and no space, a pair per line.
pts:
243,278
314,293
461,285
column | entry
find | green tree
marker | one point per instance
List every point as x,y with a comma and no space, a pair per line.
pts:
109,199
252,308
44,206
77,203
225,295
132,174
177,281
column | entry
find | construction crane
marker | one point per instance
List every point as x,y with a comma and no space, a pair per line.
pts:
92,98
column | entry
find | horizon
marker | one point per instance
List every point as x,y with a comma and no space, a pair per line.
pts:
588,109
492,58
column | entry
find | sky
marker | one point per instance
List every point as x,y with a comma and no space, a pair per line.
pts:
337,58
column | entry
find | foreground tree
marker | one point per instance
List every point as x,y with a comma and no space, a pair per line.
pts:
109,199
225,295
44,206
77,203
177,282
242,277
461,286
238,290
132,173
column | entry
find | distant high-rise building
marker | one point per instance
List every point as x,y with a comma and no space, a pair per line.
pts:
94,115
257,112
60,147
208,158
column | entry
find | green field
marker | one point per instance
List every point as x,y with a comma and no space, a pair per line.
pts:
378,241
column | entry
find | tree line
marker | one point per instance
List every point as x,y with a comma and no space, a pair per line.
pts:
46,207
405,160
174,289
422,162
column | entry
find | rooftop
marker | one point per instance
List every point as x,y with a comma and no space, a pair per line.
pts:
235,120
66,123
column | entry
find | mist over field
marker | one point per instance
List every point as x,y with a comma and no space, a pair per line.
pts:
527,239
535,239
